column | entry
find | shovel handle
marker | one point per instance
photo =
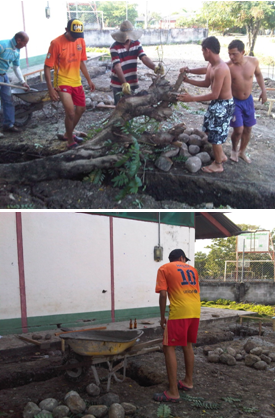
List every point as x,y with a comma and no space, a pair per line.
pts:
81,330
13,85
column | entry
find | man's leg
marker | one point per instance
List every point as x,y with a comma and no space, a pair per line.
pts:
244,142
219,159
189,365
171,367
72,115
235,139
7,104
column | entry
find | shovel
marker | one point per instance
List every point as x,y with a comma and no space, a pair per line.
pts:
17,87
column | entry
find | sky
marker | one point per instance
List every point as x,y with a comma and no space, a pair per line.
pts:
167,7
264,218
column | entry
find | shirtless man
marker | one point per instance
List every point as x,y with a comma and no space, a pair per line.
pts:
242,69
220,111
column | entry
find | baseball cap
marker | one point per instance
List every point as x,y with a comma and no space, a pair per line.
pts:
75,28
176,254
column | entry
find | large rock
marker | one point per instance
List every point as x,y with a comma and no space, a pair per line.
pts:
129,408
231,351
108,399
249,345
265,358
184,138
163,163
30,410
272,356
204,156
74,402
227,359
116,411
194,149
195,140
213,357
257,351
92,389
260,365
60,411
48,404
98,411
193,164
251,359
173,152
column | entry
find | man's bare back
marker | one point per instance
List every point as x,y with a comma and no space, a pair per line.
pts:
219,72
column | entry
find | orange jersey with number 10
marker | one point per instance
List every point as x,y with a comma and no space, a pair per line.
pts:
65,57
181,281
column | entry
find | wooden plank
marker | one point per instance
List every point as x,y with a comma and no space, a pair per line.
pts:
29,340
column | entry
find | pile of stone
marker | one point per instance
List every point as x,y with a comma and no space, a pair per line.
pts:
98,99
108,405
254,356
194,147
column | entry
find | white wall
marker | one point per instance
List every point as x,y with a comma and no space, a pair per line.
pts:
67,262
40,29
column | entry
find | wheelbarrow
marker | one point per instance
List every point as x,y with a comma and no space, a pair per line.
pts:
28,101
90,348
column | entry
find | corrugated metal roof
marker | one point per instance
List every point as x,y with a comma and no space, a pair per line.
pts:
214,225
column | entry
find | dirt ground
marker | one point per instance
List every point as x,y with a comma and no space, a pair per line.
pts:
228,391
240,186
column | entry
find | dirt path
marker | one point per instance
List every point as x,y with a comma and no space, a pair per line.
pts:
240,186
230,391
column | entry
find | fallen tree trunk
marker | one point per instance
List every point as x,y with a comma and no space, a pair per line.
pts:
154,103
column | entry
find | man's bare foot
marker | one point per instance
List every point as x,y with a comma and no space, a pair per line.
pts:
79,133
224,158
213,168
244,157
234,156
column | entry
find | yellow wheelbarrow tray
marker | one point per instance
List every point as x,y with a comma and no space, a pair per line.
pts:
101,343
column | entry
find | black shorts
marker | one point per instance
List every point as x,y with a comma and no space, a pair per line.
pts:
217,120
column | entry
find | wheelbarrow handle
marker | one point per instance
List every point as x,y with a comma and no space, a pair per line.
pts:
17,87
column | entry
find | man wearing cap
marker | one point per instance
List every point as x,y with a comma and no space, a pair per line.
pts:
125,52
66,55
10,53
180,282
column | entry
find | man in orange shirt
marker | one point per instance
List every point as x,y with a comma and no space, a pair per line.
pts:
180,282
66,55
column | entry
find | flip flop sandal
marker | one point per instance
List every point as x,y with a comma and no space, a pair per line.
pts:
77,139
163,397
181,386
72,146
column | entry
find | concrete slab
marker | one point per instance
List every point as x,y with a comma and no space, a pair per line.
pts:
150,326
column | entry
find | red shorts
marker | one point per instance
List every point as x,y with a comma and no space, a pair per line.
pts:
77,93
181,331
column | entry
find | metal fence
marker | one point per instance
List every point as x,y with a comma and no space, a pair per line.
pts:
249,270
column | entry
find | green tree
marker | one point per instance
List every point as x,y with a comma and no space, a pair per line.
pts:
114,13
222,15
200,261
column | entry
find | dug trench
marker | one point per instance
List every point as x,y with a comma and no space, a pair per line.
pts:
32,375
241,185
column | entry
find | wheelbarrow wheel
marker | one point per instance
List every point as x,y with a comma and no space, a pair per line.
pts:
22,114
77,371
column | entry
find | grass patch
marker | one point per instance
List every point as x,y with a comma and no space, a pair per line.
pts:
262,310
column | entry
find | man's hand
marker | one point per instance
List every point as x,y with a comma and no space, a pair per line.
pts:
185,97
263,97
126,89
91,85
163,323
54,95
159,69
184,70
26,86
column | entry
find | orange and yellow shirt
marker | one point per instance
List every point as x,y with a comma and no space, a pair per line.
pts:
181,281
65,57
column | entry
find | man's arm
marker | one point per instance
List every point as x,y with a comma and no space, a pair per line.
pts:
52,92
149,63
84,71
260,81
19,75
162,305
119,73
201,70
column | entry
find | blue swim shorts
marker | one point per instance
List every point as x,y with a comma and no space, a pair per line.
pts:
217,120
244,114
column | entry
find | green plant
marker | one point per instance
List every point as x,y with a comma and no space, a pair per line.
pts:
163,411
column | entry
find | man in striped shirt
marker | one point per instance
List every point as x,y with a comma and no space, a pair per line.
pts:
10,54
125,52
